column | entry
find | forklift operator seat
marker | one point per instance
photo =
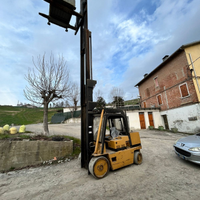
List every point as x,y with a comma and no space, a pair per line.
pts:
114,132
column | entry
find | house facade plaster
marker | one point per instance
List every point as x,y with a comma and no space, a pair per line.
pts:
134,121
185,119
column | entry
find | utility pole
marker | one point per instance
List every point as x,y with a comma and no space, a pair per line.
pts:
60,13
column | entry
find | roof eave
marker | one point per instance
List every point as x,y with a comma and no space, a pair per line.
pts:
161,65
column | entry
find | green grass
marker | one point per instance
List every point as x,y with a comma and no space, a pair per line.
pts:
20,136
4,136
19,115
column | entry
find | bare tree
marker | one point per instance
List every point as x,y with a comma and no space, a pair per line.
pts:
98,94
116,96
118,101
48,81
75,93
116,92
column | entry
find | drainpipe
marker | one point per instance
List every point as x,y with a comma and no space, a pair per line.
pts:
194,72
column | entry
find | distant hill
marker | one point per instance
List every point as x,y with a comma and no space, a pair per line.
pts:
20,115
132,102
128,102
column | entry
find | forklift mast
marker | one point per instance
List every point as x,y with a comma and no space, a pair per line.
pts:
86,85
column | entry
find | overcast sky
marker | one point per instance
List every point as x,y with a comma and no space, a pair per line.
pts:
129,39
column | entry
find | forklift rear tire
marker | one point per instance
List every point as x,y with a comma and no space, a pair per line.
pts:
99,167
137,158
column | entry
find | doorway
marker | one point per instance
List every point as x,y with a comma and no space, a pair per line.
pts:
165,121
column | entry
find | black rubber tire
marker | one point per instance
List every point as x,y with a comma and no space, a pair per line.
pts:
138,158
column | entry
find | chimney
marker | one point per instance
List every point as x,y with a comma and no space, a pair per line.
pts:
165,57
145,75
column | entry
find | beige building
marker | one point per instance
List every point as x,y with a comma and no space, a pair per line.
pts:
192,52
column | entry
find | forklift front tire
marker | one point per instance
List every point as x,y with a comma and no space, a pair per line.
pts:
99,167
137,158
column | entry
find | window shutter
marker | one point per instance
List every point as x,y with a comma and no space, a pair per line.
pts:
184,91
159,99
148,92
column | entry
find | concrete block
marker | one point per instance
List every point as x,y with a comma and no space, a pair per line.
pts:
18,154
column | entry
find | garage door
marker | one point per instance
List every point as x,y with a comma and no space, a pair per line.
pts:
150,119
142,120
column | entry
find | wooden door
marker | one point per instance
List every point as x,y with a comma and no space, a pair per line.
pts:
150,114
142,120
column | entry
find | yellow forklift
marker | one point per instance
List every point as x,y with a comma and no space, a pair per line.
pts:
105,139
113,147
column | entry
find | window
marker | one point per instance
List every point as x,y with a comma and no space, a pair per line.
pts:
144,104
156,81
159,98
147,92
184,90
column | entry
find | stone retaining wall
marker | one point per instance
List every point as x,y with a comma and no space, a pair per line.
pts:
17,154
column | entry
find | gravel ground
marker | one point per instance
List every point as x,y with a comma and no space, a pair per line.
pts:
162,176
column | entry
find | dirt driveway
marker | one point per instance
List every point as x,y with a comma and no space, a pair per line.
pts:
161,176
70,129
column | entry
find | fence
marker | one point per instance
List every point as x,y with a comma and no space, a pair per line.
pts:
61,117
